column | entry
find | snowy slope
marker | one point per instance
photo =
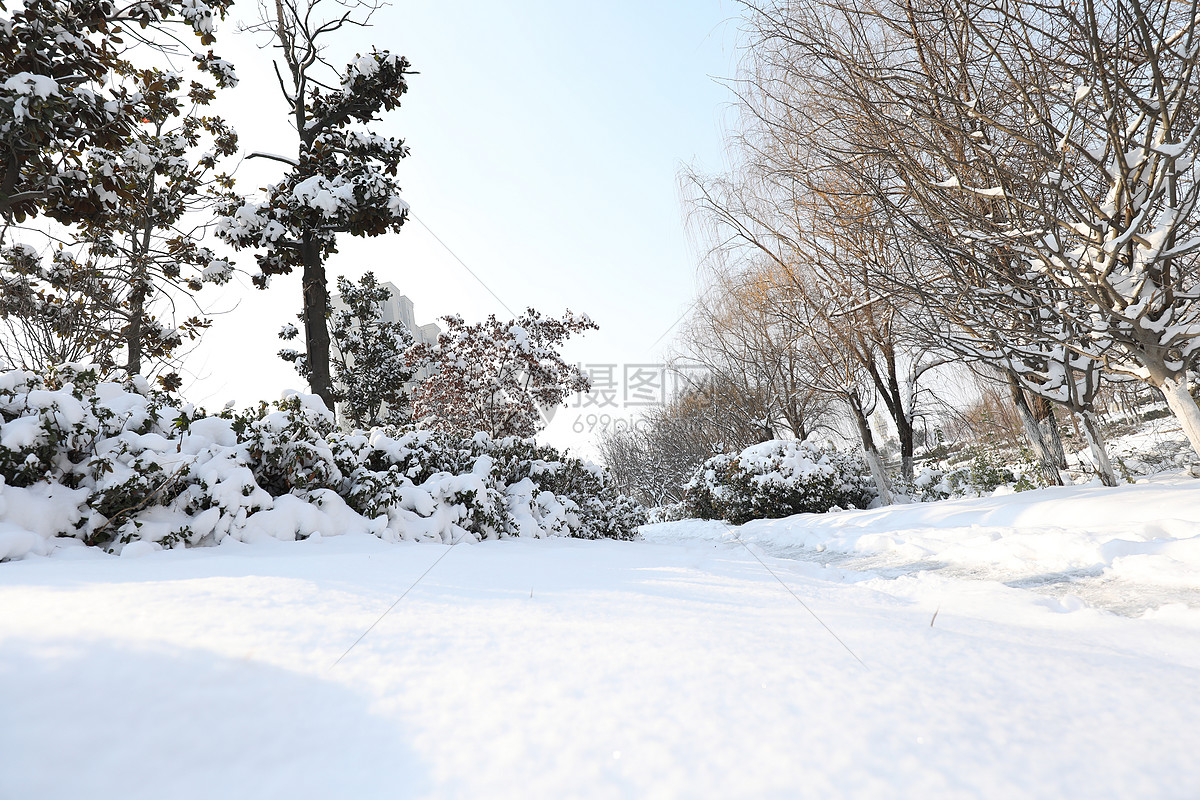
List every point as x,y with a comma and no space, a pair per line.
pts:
1127,549
672,667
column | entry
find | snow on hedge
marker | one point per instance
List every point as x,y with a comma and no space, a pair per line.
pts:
127,468
778,478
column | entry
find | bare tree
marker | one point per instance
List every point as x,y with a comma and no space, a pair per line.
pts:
742,355
844,362
654,458
53,313
1046,151
826,250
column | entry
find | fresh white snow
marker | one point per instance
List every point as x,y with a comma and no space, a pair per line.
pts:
677,666
1155,522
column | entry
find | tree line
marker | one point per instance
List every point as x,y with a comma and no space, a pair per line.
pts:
1007,186
112,189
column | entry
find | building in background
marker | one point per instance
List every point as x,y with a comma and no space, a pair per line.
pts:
398,308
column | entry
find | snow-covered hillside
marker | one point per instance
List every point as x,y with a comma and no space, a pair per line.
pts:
675,666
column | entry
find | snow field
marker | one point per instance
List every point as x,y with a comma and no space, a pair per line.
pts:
636,669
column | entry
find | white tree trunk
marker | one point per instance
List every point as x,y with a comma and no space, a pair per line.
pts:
880,476
1049,429
1099,451
871,453
1042,449
1185,409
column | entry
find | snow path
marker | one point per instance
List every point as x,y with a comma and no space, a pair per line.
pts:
1089,585
636,669
1128,550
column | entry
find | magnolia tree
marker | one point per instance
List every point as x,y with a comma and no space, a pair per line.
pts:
58,103
496,376
117,281
148,246
119,155
342,179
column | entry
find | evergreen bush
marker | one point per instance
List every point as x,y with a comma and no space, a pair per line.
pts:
112,464
777,479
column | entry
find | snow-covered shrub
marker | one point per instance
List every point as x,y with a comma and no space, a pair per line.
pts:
928,485
288,446
489,487
112,464
984,471
672,512
777,479
704,493
65,428
595,509
427,486
602,511
223,491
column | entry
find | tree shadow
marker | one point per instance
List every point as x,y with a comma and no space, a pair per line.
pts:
95,719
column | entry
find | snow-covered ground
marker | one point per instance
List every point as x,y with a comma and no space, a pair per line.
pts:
1129,549
677,666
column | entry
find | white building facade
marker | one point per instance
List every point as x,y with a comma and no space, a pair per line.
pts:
398,308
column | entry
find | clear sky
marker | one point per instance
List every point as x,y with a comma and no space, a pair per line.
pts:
546,142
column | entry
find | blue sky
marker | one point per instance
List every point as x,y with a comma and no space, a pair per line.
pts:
546,142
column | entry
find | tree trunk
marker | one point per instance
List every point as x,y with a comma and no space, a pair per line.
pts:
1099,452
1036,434
133,331
893,401
1184,408
316,329
872,455
1173,386
1043,412
904,431
795,421
139,278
